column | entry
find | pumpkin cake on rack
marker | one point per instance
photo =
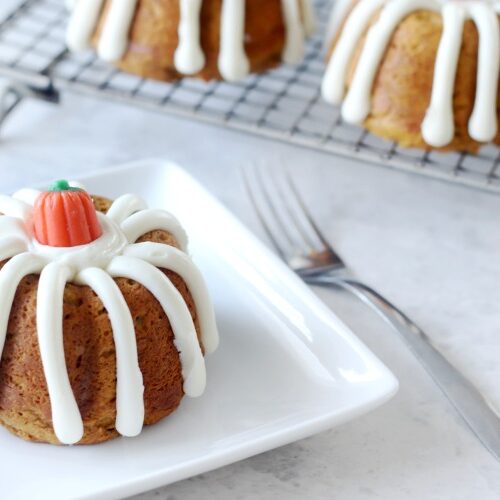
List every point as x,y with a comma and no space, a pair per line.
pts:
208,39
422,73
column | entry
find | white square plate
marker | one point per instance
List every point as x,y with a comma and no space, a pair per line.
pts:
286,367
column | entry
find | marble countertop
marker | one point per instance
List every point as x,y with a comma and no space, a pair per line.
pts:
431,247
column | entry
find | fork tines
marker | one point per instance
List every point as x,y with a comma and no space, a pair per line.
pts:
286,220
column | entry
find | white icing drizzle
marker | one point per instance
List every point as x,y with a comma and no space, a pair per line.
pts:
167,257
333,85
148,220
27,195
82,24
483,121
114,254
66,418
172,302
357,103
124,206
10,276
129,385
11,246
15,228
293,51
438,128
308,17
113,42
14,208
16,241
337,17
189,57
100,252
233,61
438,125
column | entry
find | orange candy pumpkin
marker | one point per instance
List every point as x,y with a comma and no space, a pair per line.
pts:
65,216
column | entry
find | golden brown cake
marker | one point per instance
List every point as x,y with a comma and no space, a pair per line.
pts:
423,73
209,39
123,339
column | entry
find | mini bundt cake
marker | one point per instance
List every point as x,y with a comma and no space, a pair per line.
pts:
209,39
104,318
423,73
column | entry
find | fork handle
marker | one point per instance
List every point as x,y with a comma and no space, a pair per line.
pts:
461,393
389,312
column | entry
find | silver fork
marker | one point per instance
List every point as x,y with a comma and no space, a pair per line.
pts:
298,240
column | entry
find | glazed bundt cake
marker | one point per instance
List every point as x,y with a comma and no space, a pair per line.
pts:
423,73
209,39
104,318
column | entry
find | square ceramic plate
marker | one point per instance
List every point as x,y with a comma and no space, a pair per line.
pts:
286,367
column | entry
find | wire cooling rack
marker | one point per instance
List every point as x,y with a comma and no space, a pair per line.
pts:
283,104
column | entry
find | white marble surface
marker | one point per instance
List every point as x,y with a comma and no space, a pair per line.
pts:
432,248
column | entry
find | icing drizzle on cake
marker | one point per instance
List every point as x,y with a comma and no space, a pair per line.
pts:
189,58
438,126
115,254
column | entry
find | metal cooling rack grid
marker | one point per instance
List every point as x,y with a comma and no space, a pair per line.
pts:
283,104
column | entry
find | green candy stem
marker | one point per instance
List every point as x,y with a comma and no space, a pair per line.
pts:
62,185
